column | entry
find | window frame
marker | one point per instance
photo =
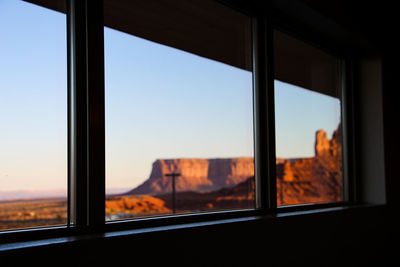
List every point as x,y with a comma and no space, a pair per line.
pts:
346,80
87,132
86,129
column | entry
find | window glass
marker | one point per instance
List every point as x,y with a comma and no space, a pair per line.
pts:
33,116
179,111
308,124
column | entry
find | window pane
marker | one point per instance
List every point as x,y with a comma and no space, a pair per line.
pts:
33,116
179,126
308,124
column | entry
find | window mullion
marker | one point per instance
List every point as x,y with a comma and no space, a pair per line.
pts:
96,121
349,157
77,114
270,106
264,114
86,78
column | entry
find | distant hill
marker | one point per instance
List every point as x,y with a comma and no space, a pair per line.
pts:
32,194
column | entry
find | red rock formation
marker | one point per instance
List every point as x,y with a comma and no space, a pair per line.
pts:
322,144
312,180
219,183
196,175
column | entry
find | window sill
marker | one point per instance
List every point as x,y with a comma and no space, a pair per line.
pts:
247,217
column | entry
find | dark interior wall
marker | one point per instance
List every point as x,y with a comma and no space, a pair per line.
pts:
359,235
369,135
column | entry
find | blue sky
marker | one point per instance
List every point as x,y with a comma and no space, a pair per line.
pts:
33,90
160,103
299,113
165,103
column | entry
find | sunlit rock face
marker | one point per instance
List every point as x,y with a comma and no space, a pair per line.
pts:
316,179
312,180
196,174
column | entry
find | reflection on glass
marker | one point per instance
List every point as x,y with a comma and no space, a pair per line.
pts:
33,116
179,134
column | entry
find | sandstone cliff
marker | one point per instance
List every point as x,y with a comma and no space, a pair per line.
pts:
311,180
301,180
196,175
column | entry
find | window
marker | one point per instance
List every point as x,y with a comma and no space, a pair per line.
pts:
33,116
307,123
178,107
155,115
